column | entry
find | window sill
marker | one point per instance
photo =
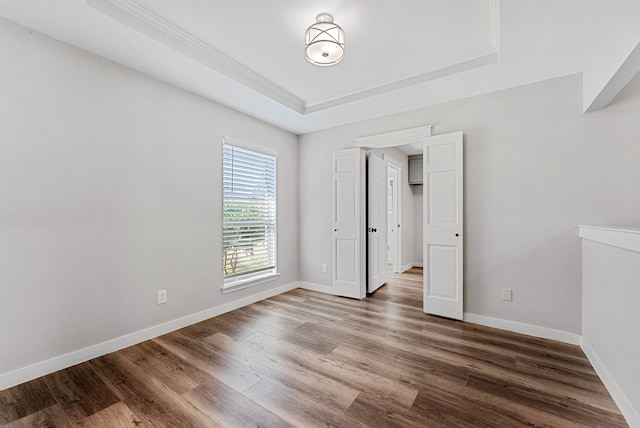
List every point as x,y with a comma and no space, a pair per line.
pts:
248,282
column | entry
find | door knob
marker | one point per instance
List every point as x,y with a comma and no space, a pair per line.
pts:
374,230
457,234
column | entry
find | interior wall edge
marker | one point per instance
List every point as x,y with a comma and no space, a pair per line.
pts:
619,397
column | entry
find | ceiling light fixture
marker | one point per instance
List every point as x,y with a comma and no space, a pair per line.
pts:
324,41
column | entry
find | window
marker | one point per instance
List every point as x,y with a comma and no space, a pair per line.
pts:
249,216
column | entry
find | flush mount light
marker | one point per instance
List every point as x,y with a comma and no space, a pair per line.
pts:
324,41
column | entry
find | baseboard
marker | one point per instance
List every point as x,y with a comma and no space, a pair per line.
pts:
408,266
316,287
618,395
518,327
25,374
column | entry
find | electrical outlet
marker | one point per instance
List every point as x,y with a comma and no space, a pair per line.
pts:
324,268
162,296
507,294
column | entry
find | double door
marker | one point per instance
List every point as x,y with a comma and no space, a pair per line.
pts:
359,239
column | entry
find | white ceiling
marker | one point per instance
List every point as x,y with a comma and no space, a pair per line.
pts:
400,55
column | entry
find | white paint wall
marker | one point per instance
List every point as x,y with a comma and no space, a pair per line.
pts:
535,168
110,189
611,287
617,58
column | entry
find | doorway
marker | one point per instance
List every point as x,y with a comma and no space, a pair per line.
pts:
442,217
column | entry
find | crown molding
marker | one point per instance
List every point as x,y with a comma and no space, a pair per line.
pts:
452,65
133,15
485,55
141,19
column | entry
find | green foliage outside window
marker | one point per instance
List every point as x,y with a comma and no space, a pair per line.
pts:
243,240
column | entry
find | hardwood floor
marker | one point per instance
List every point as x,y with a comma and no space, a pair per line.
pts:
308,359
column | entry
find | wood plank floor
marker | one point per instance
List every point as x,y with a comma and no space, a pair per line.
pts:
307,359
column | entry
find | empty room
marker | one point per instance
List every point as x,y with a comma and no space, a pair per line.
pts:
299,213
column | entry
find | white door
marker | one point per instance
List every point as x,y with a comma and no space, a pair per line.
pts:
376,222
394,237
391,218
348,255
442,213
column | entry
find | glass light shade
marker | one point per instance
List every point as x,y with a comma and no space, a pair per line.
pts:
324,41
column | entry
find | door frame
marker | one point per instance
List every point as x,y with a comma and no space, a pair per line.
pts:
397,209
403,137
413,136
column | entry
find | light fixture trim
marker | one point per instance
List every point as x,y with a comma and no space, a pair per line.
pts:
324,41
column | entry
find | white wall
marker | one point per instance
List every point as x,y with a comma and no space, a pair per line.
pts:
535,168
110,189
616,59
611,287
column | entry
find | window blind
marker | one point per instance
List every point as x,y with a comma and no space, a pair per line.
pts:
249,220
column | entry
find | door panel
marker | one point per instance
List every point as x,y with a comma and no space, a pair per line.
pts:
442,271
443,221
348,223
345,208
442,193
377,170
347,255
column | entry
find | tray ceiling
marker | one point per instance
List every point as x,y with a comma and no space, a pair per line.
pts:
399,55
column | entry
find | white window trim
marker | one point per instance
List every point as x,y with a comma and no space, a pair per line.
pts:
249,146
243,282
